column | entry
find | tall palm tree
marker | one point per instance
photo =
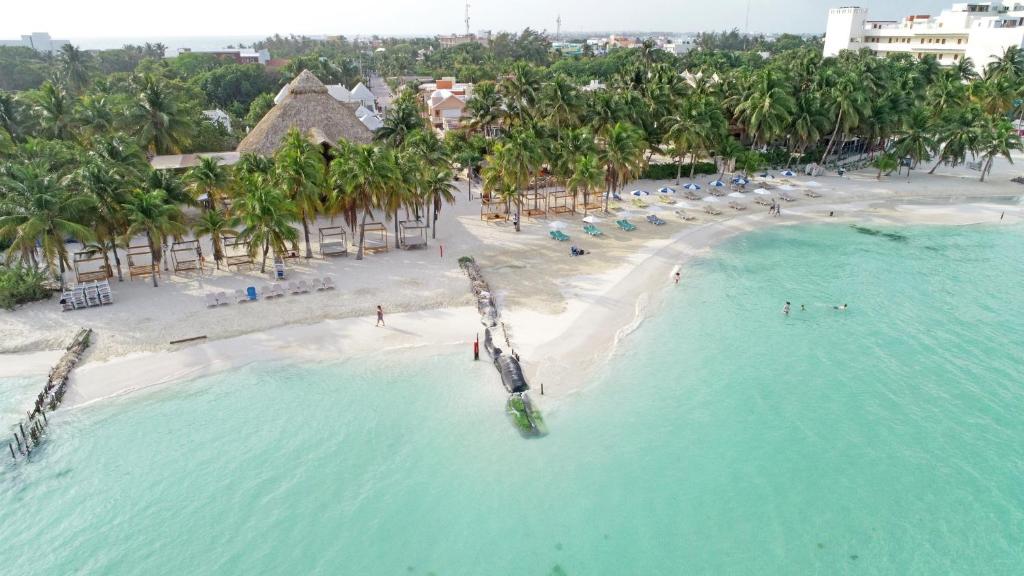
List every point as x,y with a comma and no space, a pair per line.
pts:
521,91
519,160
74,64
151,213
485,107
10,114
916,140
560,100
363,174
265,216
1009,64
766,110
621,153
400,120
35,209
301,172
107,185
728,149
958,135
53,111
886,163
848,104
438,189
587,176
162,123
210,179
997,138
214,224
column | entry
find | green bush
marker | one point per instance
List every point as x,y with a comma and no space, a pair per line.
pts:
668,171
21,284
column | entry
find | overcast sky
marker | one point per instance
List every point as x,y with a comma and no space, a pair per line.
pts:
132,18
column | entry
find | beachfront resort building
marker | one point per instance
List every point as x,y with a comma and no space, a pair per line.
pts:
236,55
445,102
38,41
979,31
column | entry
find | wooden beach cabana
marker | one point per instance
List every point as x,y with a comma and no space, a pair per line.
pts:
492,209
412,234
236,252
185,256
85,263
333,241
140,262
375,237
562,202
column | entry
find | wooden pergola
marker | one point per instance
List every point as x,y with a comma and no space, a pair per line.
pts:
140,262
375,237
532,204
185,256
86,259
492,209
593,202
236,252
412,234
562,202
333,241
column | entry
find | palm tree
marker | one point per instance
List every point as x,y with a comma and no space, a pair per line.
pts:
94,117
728,149
484,108
107,184
848,106
214,224
10,114
587,176
998,138
1010,64
916,140
362,174
162,124
35,209
520,90
53,111
401,119
886,163
301,172
438,189
766,110
519,160
210,179
151,213
809,123
74,67
265,215
958,135
621,153
561,103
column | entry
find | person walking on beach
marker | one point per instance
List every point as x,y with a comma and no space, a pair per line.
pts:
380,316
677,278
785,309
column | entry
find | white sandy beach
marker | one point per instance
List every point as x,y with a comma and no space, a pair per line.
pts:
564,315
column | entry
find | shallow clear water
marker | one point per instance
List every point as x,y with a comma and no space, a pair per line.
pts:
724,439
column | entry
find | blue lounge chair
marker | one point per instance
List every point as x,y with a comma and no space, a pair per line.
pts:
251,293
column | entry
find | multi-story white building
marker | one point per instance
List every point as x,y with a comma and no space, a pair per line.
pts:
979,31
39,41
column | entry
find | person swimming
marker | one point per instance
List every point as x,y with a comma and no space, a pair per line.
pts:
785,309
840,308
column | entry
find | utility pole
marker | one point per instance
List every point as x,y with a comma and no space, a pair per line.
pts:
467,17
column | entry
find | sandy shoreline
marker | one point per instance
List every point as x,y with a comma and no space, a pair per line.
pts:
565,316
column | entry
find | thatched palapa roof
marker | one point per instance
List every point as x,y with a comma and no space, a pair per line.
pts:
310,108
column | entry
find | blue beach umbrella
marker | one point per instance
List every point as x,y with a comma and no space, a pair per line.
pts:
640,193
787,173
692,186
716,183
666,190
740,180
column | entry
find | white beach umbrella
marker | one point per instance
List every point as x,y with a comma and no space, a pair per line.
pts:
557,225
682,205
666,190
736,195
787,188
628,213
591,219
762,192
639,193
716,183
813,183
656,208
787,173
710,199
692,186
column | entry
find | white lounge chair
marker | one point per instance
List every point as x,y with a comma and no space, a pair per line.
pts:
303,286
318,283
222,298
328,283
265,292
293,288
211,301
240,296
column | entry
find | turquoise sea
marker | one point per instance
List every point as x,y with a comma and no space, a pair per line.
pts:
725,438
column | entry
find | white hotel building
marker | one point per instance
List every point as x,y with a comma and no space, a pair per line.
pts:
976,31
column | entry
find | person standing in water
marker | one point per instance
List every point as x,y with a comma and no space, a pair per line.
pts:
380,316
785,309
677,278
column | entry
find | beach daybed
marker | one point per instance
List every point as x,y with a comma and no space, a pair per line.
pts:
328,283
690,195
240,296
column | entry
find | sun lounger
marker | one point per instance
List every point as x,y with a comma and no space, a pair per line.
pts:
811,194
625,225
223,299
690,195
303,286
718,193
712,211
686,217
763,201
653,219
241,296
615,195
666,200
211,301
592,230
265,292
328,283
787,198
737,206
293,288
639,203
250,293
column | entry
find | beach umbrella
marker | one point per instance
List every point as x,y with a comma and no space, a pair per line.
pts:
736,195
640,193
813,183
656,208
786,188
557,225
762,192
740,180
788,173
591,219
666,190
716,183
682,205
710,199
692,186
627,213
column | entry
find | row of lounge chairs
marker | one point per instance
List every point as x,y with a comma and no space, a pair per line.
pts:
251,294
86,295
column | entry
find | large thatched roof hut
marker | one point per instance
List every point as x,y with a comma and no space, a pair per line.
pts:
310,108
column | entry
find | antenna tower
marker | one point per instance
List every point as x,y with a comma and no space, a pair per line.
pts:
467,17
558,27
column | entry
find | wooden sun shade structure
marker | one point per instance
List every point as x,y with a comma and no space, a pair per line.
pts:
412,234
375,237
532,204
593,202
562,202
85,260
140,262
185,256
333,242
236,252
492,209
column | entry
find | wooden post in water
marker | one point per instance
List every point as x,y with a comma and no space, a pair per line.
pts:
11,446
19,443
